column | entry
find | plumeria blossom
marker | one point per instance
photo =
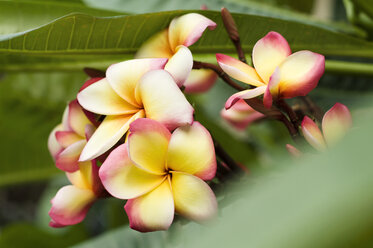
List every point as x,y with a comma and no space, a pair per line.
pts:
72,202
277,73
162,173
241,115
68,139
173,43
132,89
335,123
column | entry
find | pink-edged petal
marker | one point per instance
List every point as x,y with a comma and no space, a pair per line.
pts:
156,47
153,211
147,145
89,131
335,123
200,81
53,146
245,94
293,151
191,150
312,134
101,99
239,70
70,205
67,138
193,198
241,115
180,65
108,134
65,119
163,101
300,73
54,224
122,179
273,89
268,53
68,159
76,118
87,177
187,29
124,76
89,82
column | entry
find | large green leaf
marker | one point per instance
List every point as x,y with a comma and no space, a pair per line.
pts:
78,37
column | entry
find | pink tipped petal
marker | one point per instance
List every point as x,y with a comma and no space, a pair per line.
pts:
68,159
53,146
239,70
101,99
122,179
335,123
89,131
65,119
108,134
82,178
191,150
200,81
273,89
124,76
54,224
156,47
67,138
300,73
268,53
77,119
293,151
241,115
163,101
70,205
313,134
193,197
187,29
180,65
153,211
148,144
246,94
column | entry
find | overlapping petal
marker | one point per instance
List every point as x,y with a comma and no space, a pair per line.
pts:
123,179
100,98
239,70
108,134
68,159
163,101
157,46
53,146
268,53
245,94
180,65
336,122
123,77
191,150
193,197
187,29
70,205
153,211
67,138
76,118
300,73
200,81
313,134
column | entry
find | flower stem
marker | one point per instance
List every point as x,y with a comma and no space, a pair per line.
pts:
314,109
219,71
228,160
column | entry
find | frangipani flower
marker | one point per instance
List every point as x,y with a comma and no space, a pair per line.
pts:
173,43
132,89
335,123
72,202
68,139
241,115
161,173
277,73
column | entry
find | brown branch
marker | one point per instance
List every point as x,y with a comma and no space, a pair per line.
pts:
289,111
228,160
232,31
314,109
93,73
219,71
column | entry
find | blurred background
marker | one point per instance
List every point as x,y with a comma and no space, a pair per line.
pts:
321,201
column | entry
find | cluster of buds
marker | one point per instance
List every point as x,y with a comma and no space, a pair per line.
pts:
131,134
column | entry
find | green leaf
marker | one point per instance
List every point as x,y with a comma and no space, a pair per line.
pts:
82,37
21,15
31,104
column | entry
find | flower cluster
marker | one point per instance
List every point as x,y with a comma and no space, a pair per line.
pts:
132,135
